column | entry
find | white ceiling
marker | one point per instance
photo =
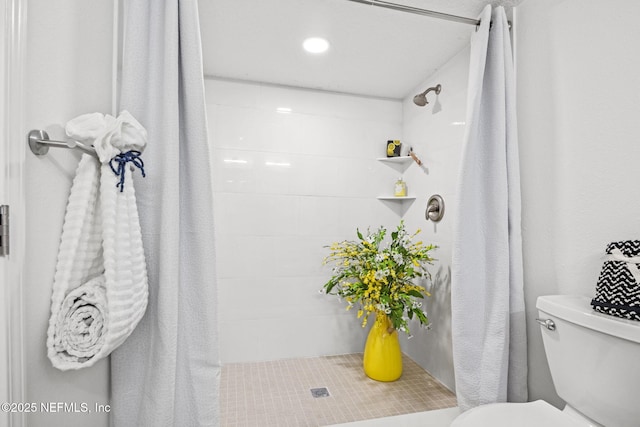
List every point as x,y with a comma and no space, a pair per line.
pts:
374,51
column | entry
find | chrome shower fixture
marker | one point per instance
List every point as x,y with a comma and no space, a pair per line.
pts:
421,98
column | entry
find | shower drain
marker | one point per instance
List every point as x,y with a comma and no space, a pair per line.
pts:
320,392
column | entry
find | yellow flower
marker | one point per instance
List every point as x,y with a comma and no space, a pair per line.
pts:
366,274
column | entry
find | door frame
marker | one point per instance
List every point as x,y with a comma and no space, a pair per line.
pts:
12,155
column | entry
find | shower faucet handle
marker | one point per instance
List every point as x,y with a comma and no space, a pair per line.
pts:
435,208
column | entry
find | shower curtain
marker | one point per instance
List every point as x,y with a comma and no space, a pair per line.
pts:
167,372
488,315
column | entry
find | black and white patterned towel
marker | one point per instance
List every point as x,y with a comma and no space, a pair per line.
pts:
618,288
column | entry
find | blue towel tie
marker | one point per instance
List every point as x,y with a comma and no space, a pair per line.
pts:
122,159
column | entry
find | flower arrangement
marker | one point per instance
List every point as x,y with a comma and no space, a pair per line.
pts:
379,277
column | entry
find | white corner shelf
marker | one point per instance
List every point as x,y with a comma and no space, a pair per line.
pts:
398,199
398,204
398,160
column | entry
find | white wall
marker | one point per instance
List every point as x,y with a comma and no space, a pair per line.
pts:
436,133
578,107
5,343
68,73
273,221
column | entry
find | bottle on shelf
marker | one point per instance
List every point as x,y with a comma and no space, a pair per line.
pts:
400,188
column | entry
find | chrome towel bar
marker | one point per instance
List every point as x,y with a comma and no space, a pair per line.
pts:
39,144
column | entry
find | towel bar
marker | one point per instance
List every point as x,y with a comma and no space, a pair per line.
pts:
39,144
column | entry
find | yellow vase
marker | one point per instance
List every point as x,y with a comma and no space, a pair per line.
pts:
382,355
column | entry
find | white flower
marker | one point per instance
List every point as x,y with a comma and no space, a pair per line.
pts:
380,274
383,307
427,326
379,257
398,258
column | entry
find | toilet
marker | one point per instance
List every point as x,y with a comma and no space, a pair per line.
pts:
595,365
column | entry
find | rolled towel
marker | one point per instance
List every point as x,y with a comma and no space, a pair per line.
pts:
81,323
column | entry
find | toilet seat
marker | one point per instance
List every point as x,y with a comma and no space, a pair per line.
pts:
532,414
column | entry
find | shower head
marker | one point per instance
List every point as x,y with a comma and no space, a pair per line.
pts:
421,99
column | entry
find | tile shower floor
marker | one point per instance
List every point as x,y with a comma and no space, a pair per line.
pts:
279,393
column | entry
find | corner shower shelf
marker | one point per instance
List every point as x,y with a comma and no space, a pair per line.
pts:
395,199
400,164
397,160
398,204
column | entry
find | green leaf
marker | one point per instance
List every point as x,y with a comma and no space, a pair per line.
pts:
422,317
329,286
394,235
359,234
415,293
410,314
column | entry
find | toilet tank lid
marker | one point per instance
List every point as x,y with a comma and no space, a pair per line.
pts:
577,309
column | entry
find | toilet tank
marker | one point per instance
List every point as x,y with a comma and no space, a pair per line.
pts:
594,359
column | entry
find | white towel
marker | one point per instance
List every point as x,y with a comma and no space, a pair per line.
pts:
100,287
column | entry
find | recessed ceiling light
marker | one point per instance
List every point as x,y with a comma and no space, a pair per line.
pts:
315,45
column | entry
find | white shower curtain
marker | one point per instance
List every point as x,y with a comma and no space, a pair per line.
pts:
488,317
167,372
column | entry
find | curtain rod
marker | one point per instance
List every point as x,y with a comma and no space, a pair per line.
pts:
418,11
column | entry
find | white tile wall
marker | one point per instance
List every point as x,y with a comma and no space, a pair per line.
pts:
436,133
286,185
